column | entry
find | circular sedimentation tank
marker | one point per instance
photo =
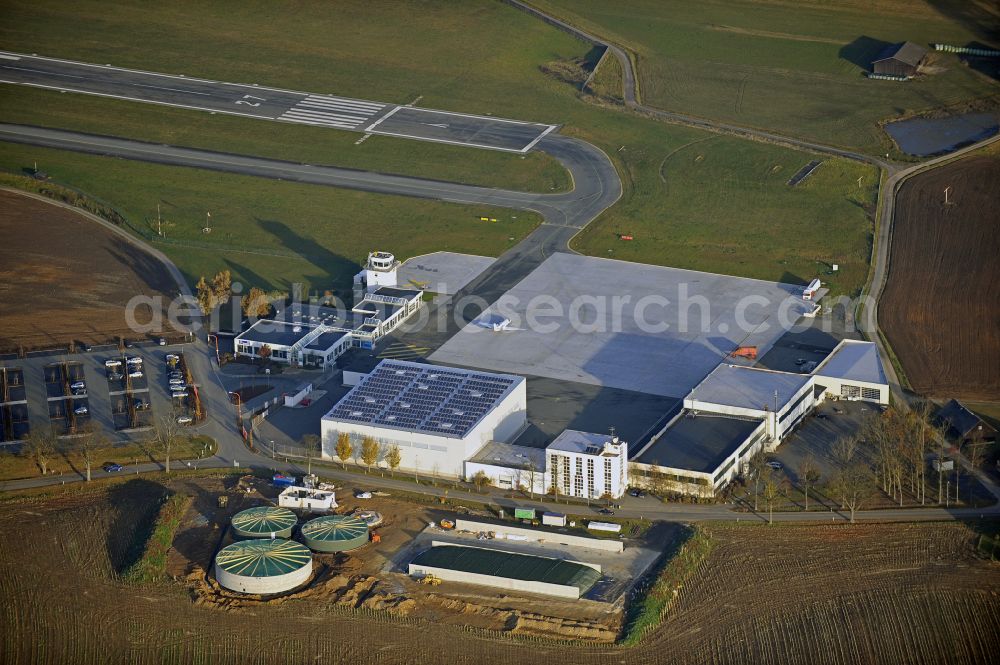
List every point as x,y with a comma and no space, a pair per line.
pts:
264,522
335,533
263,566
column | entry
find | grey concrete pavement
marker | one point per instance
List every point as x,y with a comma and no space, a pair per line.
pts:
267,103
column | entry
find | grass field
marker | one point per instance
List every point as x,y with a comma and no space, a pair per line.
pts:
794,68
478,57
723,205
68,460
269,233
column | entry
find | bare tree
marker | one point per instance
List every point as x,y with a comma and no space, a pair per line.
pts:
808,473
530,468
770,483
165,436
854,486
369,452
90,441
758,462
344,448
844,449
311,443
393,457
40,448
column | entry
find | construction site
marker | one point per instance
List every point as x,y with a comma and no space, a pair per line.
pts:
934,590
235,549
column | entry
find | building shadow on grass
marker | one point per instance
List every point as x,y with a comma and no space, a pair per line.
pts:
332,266
862,51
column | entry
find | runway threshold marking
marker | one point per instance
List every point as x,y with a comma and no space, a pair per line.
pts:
332,111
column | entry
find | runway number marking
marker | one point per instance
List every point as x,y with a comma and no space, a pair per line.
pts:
254,104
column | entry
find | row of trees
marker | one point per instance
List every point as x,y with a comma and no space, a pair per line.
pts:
368,453
256,303
902,442
42,446
890,454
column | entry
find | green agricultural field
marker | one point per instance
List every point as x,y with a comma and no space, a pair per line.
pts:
723,205
479,56
794,68
270,233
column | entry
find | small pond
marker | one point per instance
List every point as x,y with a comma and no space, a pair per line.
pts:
932,136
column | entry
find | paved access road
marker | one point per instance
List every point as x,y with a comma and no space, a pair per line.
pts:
266,103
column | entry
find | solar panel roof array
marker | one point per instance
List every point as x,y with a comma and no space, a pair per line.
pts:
442,401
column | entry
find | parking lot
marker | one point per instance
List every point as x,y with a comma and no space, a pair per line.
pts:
817,434
122,392
13,405
66,396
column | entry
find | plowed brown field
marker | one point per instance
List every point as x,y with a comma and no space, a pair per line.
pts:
66,278
782,594
941,306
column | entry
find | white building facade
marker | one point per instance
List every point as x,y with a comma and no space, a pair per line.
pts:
437,416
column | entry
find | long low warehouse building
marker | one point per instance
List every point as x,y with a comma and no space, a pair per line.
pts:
506,570
736,412
539,535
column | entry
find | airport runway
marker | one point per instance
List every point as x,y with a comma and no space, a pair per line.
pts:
266,103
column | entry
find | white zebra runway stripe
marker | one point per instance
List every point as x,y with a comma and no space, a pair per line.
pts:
332,112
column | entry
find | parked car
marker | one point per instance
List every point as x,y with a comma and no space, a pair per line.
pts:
115,376
163,341
637,493
178,388
113,467
81,410
362,494
114,362
606,511
184,420
135,374
775,465
140,405
180,394
77,385
172,357
134,360
176,382
79,392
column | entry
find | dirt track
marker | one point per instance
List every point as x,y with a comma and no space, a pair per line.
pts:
816,594
941,309
65,278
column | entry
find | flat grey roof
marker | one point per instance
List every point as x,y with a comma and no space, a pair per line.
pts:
853,360
663,349
748,387
308,314
327,341
442,401
698,442
496,563
575,441
396,292
510,456
276,333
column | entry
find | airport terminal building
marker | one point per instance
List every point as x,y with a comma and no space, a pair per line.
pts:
737,411
315,336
